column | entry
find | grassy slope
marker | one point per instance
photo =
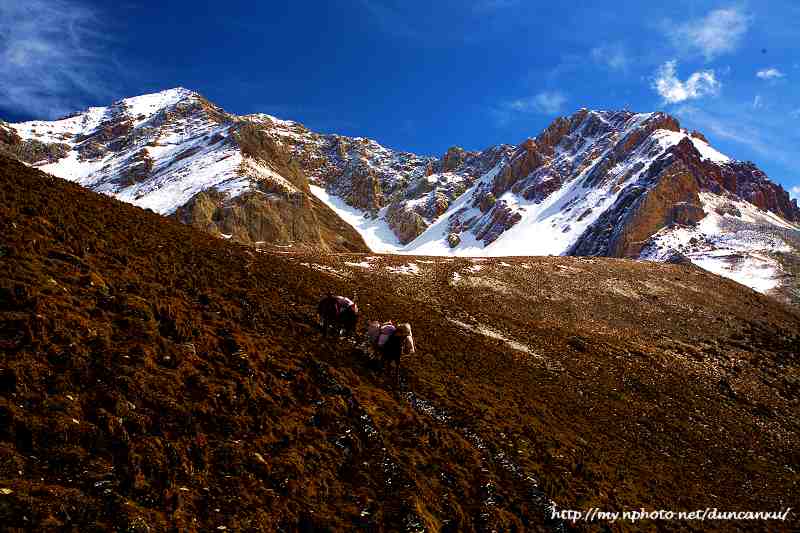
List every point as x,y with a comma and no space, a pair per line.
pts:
153,376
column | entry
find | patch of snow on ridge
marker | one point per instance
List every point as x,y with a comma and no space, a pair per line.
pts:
671,138
147,105
708,152
375,232
63,130
734,240
756,271
72,169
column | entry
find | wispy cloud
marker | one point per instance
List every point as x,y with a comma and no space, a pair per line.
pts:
546,102
614,56
763,133
717,33
770,74
673,90
51,57
757,103
543,103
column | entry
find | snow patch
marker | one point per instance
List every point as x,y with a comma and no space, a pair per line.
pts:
734,240
410,269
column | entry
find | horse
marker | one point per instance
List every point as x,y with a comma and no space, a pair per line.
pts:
391,342
338,312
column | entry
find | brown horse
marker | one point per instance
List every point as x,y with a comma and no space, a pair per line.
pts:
339,313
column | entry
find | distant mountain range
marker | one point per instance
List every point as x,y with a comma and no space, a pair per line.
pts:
597,183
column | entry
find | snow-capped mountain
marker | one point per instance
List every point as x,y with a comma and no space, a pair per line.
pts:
178,154
610,183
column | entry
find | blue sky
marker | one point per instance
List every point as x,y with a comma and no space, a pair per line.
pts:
422,76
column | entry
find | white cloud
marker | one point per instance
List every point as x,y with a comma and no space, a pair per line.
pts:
673,90
717,33
546,102
757,103
770,74
794,192
51,57
611,55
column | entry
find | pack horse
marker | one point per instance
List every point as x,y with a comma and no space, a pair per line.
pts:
391,342
339,313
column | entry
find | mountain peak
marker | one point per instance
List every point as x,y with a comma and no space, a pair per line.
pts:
147,103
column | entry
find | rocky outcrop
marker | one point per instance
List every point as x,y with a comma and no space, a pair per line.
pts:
438,205
365,192
668,194
539,190
30,151
524,161
453,159
113,135
139,169
255,142
255,218
453,239
500,219
406,223
748,182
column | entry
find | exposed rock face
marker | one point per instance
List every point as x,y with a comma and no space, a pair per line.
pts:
746,181
256,218
139,170
366,192
524,161
668,196
502,219
255,142
406,223
453,159
29,151
438,205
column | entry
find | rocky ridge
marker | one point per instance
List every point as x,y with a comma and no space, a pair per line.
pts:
610,183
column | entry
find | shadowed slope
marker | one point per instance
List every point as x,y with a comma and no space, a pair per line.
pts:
155,377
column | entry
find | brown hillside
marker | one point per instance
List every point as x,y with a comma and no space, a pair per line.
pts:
154,378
